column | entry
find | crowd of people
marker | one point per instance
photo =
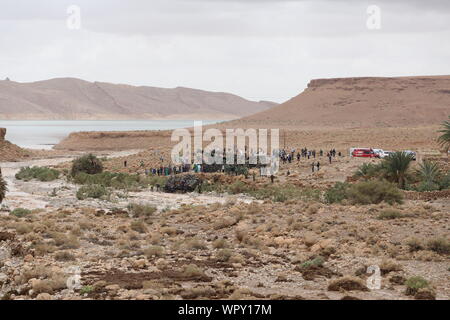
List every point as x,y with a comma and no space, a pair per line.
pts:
244,157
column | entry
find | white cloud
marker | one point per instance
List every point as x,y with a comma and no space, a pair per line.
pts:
262,50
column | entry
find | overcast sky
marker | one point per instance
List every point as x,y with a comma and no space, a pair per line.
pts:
259,49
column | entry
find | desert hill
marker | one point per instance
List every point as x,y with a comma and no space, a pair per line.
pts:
362,102
75,99
9,151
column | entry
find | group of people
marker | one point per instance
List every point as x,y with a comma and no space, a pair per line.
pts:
285,156
288,157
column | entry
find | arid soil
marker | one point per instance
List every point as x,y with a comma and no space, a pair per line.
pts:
215,246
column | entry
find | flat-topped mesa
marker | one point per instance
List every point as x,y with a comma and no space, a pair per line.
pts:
363,102
374,81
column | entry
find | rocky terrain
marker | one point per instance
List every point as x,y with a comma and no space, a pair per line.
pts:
216,246
75,99
9,151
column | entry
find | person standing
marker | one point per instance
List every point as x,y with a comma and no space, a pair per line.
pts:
318,165
313,166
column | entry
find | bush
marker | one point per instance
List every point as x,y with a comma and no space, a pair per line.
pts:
112,180
89,164
337,193
390,214
374,192
439,245
20,212
92,191
86,290
140,210
39,173
413,285
370,170
316,262
414,244
444,182
154,251
366,192
138,226
2,187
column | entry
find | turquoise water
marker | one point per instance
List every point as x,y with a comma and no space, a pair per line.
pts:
46,134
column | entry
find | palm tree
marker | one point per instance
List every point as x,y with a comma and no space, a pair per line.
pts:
397,166
429,172
2,187
444,139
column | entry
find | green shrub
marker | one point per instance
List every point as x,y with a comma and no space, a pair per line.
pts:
89,164
110,180
439,245
413,285
390,214
370,170
2,187
86,290
373,192
337,193
444,182
141,210
366,192
92,191
20,212
39,173
316,262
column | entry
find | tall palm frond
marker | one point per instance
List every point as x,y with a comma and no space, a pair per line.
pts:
397,166
444,139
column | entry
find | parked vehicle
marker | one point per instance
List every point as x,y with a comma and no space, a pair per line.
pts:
412,153
387,154
363,153
379,153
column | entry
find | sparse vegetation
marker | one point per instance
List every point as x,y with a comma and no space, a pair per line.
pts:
21,212
444,138
397,166
39,173
429,174
414,284
89,164
92,191
2,187
366,192
390,214
439,245
141,210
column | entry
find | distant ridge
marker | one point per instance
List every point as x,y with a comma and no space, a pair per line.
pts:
361,102
75,99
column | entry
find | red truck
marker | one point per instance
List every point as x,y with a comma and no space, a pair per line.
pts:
363,153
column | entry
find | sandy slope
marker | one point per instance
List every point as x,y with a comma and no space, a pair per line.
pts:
362,102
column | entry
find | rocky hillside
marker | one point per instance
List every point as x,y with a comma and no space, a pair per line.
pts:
363,102
9,151
74,99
